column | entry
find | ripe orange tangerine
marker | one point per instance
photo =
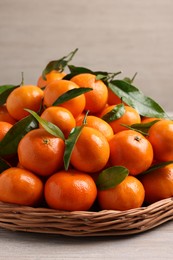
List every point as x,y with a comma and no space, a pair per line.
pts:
41,152
61,117
20,186
158,184
27,96
95,99
132,150
56,88
91,151
161,138
51,76
129,194
70,190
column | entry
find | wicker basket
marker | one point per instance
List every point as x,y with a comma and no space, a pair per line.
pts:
85,223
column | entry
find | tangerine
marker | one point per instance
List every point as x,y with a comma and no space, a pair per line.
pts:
129,194
20,186
91,151
27,96
41,152
132,150
56,88
51,76
70,190
158,184
95,99
61,117
160,136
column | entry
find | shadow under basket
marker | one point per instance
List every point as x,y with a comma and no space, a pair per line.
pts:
85,223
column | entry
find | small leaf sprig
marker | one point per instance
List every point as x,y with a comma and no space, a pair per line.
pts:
58,65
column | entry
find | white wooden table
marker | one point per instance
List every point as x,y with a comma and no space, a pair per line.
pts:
153,244
111,35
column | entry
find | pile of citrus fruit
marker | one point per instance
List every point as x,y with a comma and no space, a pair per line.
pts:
83,140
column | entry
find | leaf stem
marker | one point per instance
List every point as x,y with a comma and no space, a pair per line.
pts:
71,55
134,76
22,82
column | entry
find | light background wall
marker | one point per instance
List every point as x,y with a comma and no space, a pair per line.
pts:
112,35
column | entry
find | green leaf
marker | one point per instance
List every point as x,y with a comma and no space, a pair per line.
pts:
5,91
157,166
79,70
111,177
72,93
136,99
58,65
48,126
9,144
115,113
3,165
70,143
5,87
143,128
100,75
76,70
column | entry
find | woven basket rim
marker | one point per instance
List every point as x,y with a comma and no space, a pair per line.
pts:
85,223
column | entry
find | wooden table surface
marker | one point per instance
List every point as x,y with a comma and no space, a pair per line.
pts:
150,245
112,35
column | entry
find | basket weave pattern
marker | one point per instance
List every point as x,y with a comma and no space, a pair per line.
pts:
85,223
